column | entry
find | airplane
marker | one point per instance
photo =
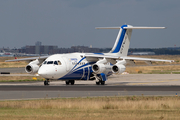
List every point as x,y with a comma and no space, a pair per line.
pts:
6,54
87,66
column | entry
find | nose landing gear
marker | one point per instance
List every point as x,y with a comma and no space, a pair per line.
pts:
46,82
100,82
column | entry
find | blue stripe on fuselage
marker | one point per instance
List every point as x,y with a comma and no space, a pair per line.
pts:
118,46
90,63
78,63
77,73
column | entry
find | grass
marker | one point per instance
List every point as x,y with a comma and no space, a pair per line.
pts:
101,108
168,69
4,64
12,64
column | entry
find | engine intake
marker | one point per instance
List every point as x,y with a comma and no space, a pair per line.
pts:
31,68
98,68
118,68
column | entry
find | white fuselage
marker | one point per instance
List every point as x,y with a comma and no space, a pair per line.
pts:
73,66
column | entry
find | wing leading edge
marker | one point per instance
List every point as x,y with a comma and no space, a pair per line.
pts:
125,58
28,59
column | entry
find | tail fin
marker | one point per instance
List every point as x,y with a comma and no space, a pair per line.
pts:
122,42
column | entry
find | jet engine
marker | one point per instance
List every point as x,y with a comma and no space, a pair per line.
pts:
118,68
98,68
32,67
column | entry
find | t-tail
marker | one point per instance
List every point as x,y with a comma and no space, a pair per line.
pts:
122,42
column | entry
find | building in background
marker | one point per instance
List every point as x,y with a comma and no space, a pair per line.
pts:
40,49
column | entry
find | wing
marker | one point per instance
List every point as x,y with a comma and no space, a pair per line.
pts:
42,58
146,59
96,57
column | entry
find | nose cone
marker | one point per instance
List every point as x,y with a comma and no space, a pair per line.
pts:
47,71
42,72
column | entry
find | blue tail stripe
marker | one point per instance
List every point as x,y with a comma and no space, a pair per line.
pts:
117,49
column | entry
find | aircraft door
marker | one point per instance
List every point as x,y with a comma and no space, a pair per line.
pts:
66,60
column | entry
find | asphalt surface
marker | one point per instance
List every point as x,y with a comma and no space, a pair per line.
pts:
25,92
13,70
89,88
117,85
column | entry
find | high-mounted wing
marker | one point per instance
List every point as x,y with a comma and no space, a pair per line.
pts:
28,59
99,56
146,59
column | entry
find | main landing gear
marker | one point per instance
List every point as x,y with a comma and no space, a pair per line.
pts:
70,82
46,82
100,82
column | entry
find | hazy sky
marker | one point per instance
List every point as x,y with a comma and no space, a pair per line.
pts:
72,22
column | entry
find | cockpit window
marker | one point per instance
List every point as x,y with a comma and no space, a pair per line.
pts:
50,62
55,62
59,63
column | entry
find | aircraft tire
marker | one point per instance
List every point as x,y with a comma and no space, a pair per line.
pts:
102,82
67,82
97,83
46,82
72,82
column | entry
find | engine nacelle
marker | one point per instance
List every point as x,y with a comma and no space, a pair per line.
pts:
118,68
98,68
32,68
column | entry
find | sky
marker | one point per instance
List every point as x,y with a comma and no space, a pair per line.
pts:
67,23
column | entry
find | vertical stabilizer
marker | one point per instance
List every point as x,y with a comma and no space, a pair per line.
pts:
122,42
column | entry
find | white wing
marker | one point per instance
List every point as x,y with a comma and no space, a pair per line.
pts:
146,59
28,59
96,56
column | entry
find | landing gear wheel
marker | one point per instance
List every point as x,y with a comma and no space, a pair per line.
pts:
97,83
72,82
102,82
46,82
99,80
67,82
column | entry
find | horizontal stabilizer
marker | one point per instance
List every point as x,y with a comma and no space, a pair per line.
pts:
107,27
144,27
130,27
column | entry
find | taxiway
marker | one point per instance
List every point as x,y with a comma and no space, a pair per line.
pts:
117,85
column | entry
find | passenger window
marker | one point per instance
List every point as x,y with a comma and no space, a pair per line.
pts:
59,63
50,62
55,62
